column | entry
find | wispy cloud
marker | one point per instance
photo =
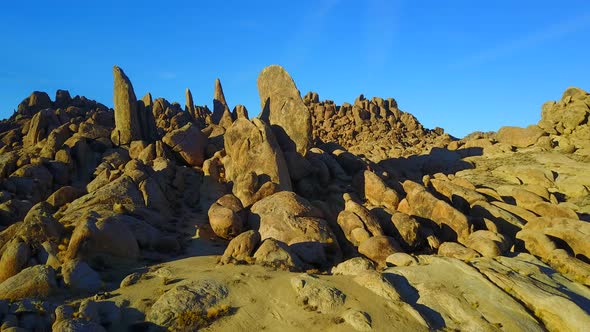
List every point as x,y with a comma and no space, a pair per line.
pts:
516,45
167,75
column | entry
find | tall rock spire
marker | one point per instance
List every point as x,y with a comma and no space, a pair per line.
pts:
127,122
189,104
219,103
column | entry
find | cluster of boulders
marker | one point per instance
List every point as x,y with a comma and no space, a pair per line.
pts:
373,127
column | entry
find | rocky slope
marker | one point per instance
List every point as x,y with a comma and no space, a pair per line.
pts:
311,216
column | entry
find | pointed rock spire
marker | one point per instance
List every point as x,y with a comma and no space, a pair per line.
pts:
127,122
189,104
219,103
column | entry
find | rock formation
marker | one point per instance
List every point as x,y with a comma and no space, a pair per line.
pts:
284,110
127,121
391,223
219,104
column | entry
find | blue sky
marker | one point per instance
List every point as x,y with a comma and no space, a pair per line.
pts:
460,65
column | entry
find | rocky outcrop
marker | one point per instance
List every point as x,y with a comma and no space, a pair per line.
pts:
284,110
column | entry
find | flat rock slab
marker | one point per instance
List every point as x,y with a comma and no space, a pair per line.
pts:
451,294
559,303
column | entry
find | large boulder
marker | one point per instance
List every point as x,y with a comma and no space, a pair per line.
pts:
227,217
520,137
255,163
276,254
189,142
14,259
291,219
107,237
374,189
378,248
38,281
454,225
316,294
284,110
241,248
185,307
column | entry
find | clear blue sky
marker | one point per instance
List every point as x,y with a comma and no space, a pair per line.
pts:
461,65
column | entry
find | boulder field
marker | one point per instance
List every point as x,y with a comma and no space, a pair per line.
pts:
312,216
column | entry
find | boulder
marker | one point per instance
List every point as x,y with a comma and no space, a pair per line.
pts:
291,219
317,295
255,163
359,320
105,237
369,220
284,110
80,276
227,217
189,142
64,195
572,231
349,222
277,254
36,101
353,267
37,281
407,230
14,258
241,248
458,251
487,243
453,224
376,191
400,259
520,137
378,248
185,307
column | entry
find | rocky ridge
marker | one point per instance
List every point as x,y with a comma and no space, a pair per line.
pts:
488,232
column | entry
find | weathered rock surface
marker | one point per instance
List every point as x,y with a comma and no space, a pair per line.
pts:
316,294
185,306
